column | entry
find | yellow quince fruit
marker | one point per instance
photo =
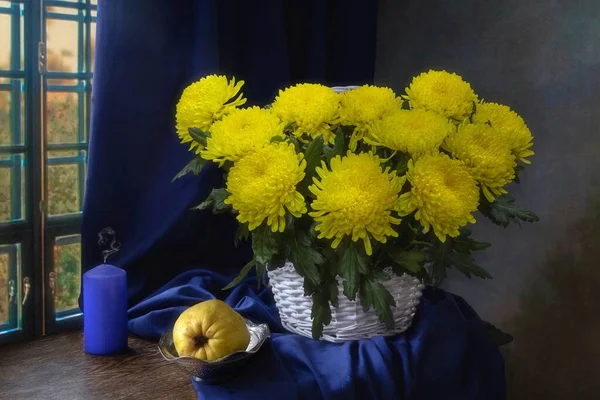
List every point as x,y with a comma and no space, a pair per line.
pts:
210,330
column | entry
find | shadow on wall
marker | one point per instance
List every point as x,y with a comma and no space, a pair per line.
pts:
556,353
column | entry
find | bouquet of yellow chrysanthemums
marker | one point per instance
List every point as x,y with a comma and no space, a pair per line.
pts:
346,184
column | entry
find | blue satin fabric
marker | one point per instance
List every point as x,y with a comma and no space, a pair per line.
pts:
147,51
446,354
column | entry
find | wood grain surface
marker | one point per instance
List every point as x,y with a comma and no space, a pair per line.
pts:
56,367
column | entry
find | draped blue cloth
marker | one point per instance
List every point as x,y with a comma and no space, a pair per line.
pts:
446,354
147,51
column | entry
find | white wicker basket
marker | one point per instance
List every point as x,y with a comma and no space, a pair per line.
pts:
349,321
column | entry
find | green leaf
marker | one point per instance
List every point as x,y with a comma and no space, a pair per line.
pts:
465,243
410,260
379,275
333,292
473,111
277,261
296,143
312,155
351,265
439,257
456,252
241,234
276,139
518,169
264,244
241,275
320,314
289,128
216,199
260,273
195,167
401,165
464,263
375,295
219,196
503,211
340,145
199,135
305,259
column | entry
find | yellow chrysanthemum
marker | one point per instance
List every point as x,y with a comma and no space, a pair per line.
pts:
443,192
204,102
364,106
262,185
415,132
311,108
442,92
355,198
241,132
509,125
486,155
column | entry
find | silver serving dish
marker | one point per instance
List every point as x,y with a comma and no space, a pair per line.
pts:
218,370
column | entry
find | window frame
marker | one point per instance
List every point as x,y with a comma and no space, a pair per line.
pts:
36,231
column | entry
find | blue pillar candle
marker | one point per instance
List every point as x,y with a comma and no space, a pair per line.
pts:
105,310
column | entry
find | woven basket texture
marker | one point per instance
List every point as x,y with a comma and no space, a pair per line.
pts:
349,321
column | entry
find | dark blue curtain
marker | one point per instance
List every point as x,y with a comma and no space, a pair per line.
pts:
147,51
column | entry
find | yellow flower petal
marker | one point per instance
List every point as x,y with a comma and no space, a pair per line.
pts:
441,92
311,108
262,185
443,192
204,102
241,132
509,125
364,106
415,132
355,198
487,156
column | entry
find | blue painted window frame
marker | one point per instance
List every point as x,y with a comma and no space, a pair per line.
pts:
29,238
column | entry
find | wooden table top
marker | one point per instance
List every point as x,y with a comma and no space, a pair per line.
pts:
56,367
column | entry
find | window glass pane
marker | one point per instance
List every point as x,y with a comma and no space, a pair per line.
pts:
61,43
61,10
62,110
66,173
10,287
11,33
12,187
4,288
88,111
67,278
5,120
5,37
12,110
92,44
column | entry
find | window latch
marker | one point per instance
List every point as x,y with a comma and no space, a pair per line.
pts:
11,291
52,283
26,289
41,58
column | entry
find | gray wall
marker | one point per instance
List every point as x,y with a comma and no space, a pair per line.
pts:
542,57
